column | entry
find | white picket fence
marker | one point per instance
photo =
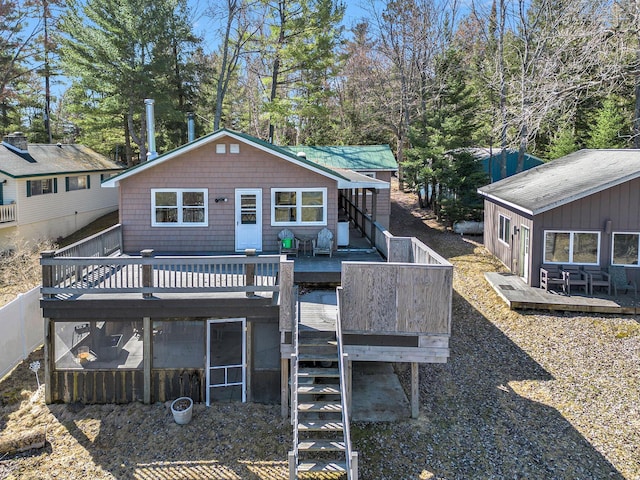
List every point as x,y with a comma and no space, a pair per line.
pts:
21,329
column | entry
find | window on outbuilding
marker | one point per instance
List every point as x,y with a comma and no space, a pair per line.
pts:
581,248
504,228
625,248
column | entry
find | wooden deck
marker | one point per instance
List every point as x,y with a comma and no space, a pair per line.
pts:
318,310
518,295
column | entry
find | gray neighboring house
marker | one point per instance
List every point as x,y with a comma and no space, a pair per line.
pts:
50,191
581,209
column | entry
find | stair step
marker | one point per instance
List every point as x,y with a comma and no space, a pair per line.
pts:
325,349
317,466
319,341
321,407
318,357
320,426
319,372
321,445
322,334
319,389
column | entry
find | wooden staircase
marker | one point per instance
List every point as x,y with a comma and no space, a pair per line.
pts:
319,408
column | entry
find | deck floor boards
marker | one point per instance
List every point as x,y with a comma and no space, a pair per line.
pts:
518,295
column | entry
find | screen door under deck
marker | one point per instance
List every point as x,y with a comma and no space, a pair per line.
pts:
226,360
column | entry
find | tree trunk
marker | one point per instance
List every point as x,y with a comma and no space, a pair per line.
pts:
223,78
636,110
503,93
138,140
276,64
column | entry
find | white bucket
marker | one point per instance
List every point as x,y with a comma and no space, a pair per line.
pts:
182,416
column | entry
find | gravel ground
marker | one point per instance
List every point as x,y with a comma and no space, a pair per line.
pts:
525,395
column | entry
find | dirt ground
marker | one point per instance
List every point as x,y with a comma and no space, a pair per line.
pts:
525,395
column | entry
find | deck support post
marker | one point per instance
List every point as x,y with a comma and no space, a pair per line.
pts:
374,218
250,271
47,271
349,386
284,387
48,362
292,466
354,465
415,390
147,355
147,273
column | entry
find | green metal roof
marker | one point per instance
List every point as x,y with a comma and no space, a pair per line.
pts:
352,157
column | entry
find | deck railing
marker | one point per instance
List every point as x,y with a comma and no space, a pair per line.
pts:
103,244
409,294
362,220
148,275
8,213
351,457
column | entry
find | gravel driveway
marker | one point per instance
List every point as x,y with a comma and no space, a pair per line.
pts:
524,396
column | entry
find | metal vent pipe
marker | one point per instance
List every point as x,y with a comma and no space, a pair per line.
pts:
151,129
191,127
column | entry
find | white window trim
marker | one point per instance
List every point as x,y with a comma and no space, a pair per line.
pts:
298,206
571,236
613,236
179,192
507,231
221,148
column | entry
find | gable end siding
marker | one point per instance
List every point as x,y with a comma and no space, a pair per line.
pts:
221,174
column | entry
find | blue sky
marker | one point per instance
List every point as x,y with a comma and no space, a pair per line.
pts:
356,9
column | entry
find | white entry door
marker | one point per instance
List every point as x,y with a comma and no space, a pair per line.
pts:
248,219
524,252
226,360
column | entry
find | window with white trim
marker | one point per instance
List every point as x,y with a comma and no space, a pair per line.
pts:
581,248
504,228
625,248
298,206
179,207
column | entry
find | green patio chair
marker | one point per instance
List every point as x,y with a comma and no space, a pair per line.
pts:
288,243
619,280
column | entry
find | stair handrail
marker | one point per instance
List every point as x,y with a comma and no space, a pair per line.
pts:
294,375
345,393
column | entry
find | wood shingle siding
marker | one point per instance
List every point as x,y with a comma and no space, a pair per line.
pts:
221,174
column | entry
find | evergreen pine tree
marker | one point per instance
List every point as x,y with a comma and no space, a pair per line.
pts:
607,130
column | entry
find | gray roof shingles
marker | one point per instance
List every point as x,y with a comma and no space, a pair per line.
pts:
41,160
565,179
